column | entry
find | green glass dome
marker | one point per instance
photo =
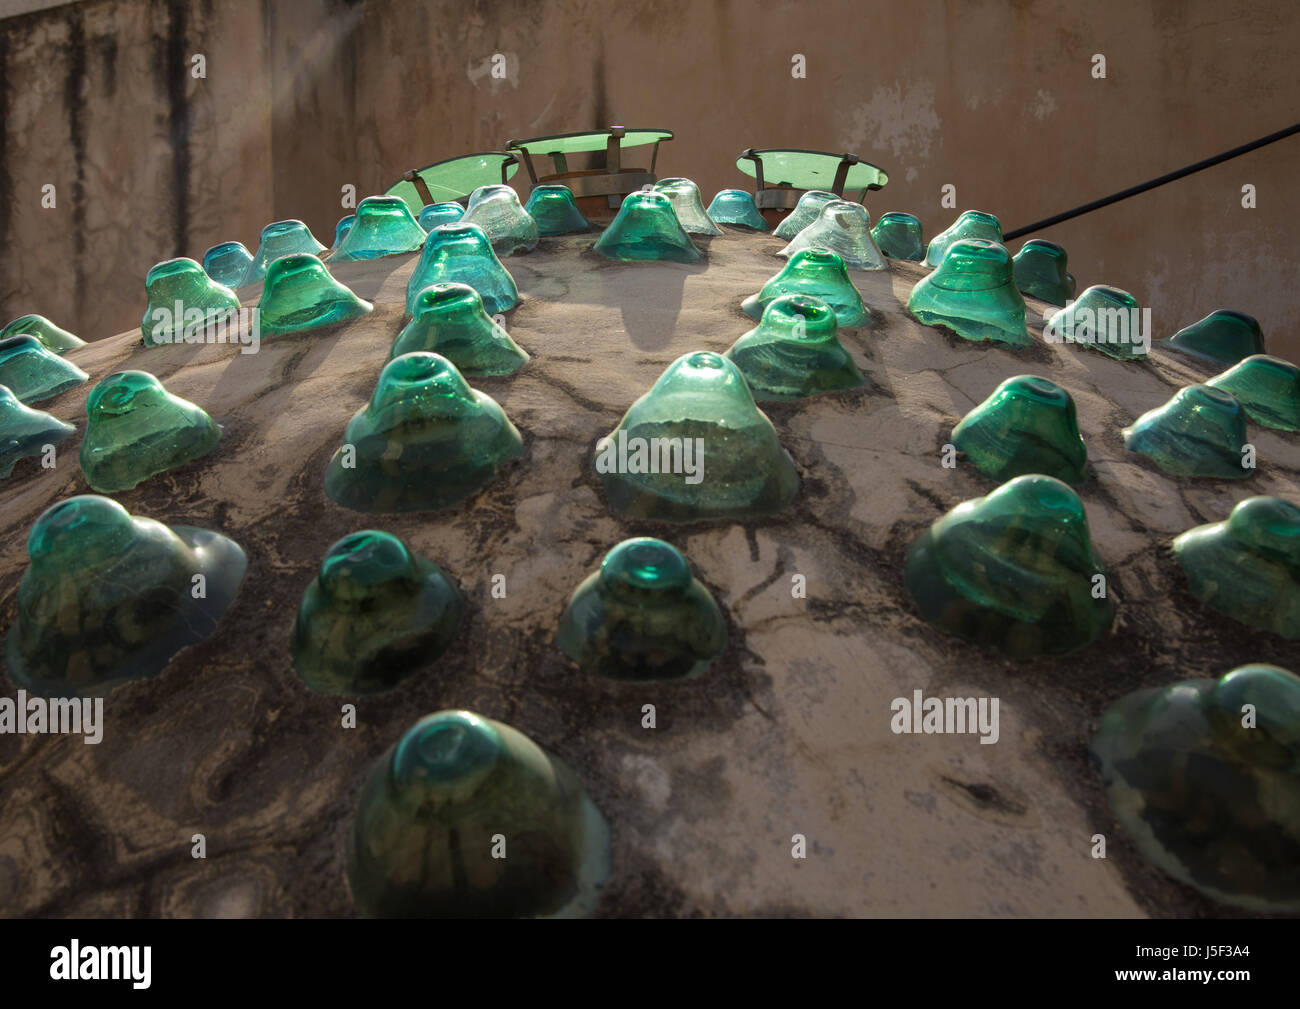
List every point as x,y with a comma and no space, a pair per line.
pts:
282,238
53,339
496,209
1040,271
1103,318
227,263
33,373
970,224
1013,571
1222,338
1028,425
434,214
555,211
1268,389
135,429
183,300
109,597
450,320
642,616
1248,567
794,352
819,274
843,228
465,817
694,448
1209,793
299,293
342,228
972,293
736,207
382,226
646,228
898,236
688,205
374,615
805,212
25,432
461,254
425,441
1200,432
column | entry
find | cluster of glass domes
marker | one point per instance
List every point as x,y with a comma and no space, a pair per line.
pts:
25,432
1268,389
816,273
646,228
300,293
794,351
1040,272
182,301
449,319
843,228
53,339
109,597
281,238
467,817
1200,432
227,263
1028,425
736,207
1014,571
425,441
688,205
555,211
1202,775
497,210
898,236
1223,337
805,212
973,293
1102,318
374,615
696,447
642,616
460,253
970,224
382,226
33,373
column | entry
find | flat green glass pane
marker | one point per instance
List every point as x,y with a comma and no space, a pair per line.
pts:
578,143
1014,571
1268,389
1248,567
375,615
555,211
24,431
32,373
1040,270
460,253
1223,337
695,447
642,616
497,210
973,293
811,170
454,179
299,293
645,229
424,442
449,319
688,205
382,226
1208,796
1028,425
54,339
898,236
1105,319
1200,432
843,228
135,429
109,597
182,300
819,274
227,263
432,812
794,352
737,207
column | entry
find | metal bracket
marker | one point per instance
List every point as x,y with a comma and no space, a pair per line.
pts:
421,187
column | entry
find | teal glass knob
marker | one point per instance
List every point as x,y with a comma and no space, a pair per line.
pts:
843,228
434,214
555,211
1013,571
1248,567
342,228
53,339
465,817
642,616
1028,425
136,429
450,320
1200,432
805,212
109,597
496,209
1222,338
898,236
282,238
425,441
970,224
227,263
299,293
973,293
818,274
382,226
794,351
646,228
33,373
695,447
374,615
736,207
25,432
461,254
1105,319
1268,389
1040,271
183,302
1204,776
688,205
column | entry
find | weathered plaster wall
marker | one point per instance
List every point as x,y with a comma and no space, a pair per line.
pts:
991,96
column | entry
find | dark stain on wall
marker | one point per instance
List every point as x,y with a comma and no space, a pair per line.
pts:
74,101
6,180
176,64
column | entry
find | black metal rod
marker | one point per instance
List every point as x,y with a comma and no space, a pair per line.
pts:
1124,194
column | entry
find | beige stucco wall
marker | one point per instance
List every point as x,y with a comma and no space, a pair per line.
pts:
996,98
